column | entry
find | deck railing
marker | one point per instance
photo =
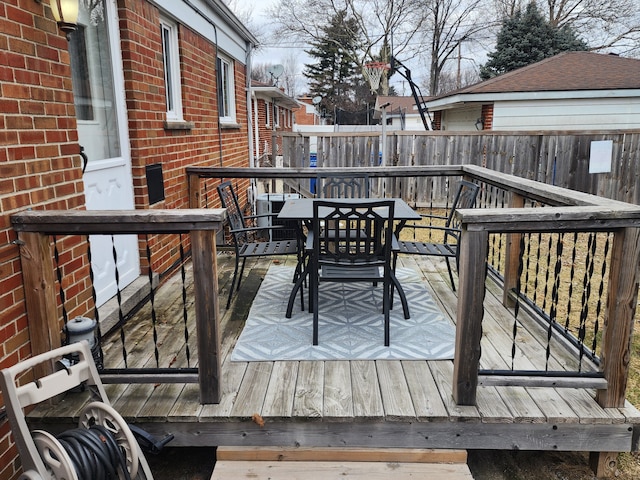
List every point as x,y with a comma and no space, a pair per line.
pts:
516,219
38,235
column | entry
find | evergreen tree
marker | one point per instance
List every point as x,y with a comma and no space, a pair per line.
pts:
527,38
336,76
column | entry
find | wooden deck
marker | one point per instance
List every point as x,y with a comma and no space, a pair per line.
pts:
404,404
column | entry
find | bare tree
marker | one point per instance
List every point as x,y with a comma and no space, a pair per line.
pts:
381,23
451,23
603,24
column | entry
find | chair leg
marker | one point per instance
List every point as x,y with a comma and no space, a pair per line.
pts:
403,297
233,282
294,290
453,285
313,283
244,260
386,307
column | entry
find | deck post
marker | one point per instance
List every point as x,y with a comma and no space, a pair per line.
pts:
618,323
618,329
471,291
512,257
205,282
40,296
194,190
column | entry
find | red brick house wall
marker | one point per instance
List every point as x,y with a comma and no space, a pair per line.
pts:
176,149
40,165
301,115
265,130
39,168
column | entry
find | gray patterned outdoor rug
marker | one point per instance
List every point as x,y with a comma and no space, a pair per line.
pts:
350,328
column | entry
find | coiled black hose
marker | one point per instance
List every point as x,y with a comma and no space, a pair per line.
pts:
95,453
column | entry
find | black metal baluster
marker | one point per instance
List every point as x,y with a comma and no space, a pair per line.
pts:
152,297
536,277
547,274
586,294
63,300
184,302
527,268
554,298
574,252
98,355
500,235
596,326
517,305
119,298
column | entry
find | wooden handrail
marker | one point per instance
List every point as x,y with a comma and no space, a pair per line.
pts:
34,228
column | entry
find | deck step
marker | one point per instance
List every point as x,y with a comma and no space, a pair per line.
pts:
339,463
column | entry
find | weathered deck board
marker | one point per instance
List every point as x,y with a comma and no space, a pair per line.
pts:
405,404
367,400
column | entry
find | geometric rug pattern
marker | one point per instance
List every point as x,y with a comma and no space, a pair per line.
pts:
350,323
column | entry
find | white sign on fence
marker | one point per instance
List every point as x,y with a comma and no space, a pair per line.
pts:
601,155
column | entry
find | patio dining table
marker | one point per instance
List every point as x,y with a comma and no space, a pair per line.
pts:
301,211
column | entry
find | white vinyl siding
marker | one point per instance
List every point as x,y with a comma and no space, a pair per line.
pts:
567,114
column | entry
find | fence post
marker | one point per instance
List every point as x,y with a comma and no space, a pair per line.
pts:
40,298
470,310
512,257
205,283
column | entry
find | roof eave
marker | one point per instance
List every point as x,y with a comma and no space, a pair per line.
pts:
457,100
274,93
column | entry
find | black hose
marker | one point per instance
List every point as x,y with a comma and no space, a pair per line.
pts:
95,453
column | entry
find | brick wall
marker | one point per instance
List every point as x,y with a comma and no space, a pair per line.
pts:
487,116
265,131
39,168
175,149
304,118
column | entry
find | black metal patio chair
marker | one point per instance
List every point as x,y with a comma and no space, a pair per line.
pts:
246,237
465,197
342,185
340,251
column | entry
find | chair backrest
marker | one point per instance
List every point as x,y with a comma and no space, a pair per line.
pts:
229,200
342,185
465,198
352,234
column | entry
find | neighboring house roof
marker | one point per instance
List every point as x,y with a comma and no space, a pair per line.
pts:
273,93
403,103
396,105
568,74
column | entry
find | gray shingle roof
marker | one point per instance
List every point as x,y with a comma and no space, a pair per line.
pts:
568,71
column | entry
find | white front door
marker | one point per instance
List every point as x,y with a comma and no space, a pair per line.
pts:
98,88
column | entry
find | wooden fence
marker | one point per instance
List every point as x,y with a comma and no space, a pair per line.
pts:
553,158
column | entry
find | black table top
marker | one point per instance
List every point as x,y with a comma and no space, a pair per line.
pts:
302,208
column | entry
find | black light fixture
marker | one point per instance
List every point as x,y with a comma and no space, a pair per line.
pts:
65,12
479,124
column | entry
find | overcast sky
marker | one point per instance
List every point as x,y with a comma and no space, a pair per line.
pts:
270,53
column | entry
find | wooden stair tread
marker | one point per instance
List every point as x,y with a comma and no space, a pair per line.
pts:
339,463
337,454
239,469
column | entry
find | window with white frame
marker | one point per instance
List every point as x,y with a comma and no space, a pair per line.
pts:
226,90
267,108
276,115
171,62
